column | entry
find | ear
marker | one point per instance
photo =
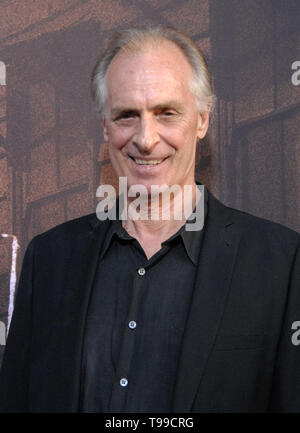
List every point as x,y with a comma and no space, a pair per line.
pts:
104,127
203,123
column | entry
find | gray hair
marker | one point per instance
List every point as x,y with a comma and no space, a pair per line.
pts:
135,39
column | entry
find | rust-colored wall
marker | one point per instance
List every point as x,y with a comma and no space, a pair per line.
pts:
51,153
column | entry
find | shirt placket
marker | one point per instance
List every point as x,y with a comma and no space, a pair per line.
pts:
121,385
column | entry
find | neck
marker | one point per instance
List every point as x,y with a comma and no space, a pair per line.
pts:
160,216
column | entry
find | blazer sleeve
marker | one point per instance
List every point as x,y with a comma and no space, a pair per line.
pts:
14,376
285,395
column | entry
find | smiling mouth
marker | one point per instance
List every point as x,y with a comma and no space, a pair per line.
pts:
147,162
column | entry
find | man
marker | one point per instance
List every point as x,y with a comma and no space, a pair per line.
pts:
142,315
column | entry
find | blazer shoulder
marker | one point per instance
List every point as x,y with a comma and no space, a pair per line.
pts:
70,229
254,227
263,225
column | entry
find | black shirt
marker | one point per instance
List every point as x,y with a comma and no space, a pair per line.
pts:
135,322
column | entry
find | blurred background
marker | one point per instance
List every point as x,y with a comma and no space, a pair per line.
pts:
52,156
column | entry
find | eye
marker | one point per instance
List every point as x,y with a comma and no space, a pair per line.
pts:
168,113
126,115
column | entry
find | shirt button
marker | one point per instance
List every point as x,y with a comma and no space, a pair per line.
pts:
141,271
132,324
123,382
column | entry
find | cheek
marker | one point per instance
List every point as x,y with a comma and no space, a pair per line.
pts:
183,134
119,137
182,140
174,137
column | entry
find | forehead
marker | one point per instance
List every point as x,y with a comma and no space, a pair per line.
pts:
148,72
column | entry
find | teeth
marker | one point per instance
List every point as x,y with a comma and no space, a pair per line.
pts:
151,162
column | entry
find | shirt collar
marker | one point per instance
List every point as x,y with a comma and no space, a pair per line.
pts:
191,239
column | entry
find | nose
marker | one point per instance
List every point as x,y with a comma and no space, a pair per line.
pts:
147,135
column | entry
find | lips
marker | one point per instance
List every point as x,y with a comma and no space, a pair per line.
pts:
151,162
147,161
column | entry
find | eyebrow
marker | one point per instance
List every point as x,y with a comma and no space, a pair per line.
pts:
118,110
167,104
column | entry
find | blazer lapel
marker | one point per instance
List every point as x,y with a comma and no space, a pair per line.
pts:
81,265
211,289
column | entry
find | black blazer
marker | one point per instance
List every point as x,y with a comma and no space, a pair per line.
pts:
237,353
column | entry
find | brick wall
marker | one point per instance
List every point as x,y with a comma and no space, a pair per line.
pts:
52,156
